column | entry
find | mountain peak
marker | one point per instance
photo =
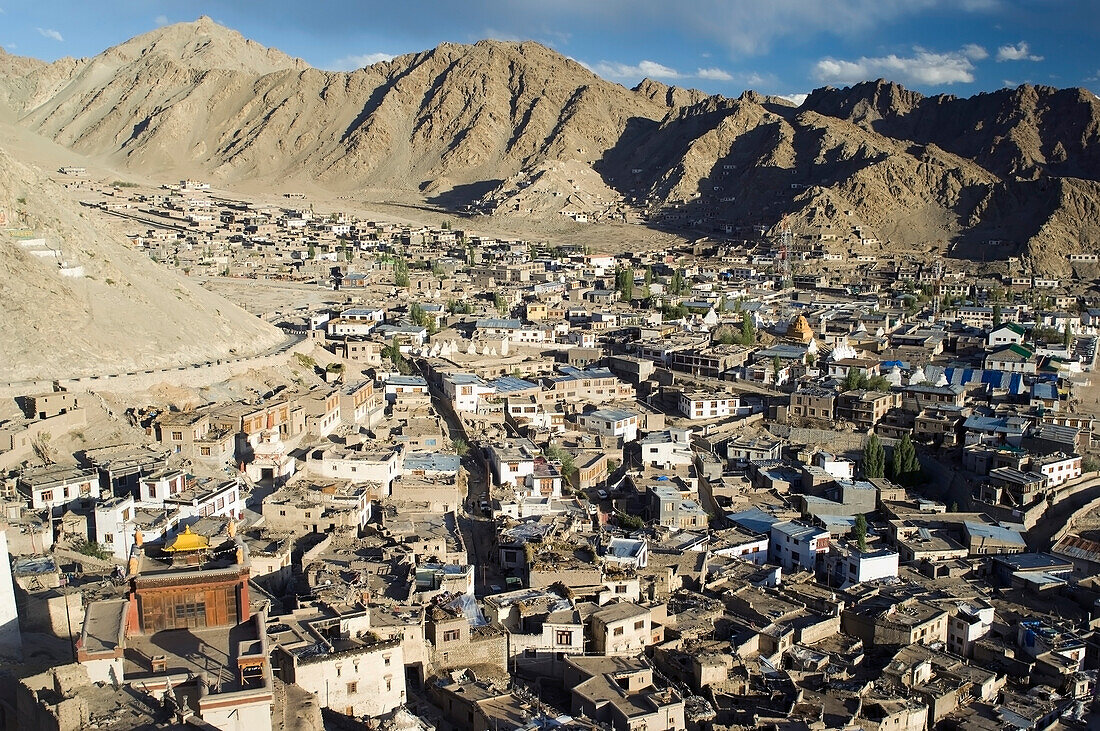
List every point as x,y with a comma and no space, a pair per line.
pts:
204,44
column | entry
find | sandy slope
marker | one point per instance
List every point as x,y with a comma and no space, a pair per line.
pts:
126,313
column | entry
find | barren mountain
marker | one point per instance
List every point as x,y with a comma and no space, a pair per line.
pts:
124,313
528,132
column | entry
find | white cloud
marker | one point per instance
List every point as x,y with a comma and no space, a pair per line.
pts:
923,67
353,62
643,69
975,52
714,74
651,69
161,20
1017,52
50,33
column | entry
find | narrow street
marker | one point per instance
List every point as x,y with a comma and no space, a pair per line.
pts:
478,530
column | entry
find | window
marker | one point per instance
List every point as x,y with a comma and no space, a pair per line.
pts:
451,635
389,683
177,436
204,451
639,624
617,631
47,495
563,637
108,538
353,688
620,588
152,491
386,660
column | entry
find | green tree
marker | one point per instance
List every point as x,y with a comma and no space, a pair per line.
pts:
624,282
400,362
460,447
678,284
674,312
418,315
649,275
748,331
853,380
996,315
777,365
311,252
874,458
400,273
876,383
860,531
500,303
568,466
1067,337
904,465
630,522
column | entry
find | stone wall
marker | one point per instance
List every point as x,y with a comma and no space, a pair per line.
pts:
187,376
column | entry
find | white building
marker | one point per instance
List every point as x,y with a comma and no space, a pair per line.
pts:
155,488
839,467
667,448
860,566
968,623
340,327
337,659
11,641
1059,468
700,405
465,391
611,423
380,466
513,460
57,487
795,545
398,385
212,499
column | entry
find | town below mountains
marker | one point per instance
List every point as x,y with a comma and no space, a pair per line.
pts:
471,391
516,129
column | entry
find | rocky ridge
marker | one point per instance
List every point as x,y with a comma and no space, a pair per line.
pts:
462,124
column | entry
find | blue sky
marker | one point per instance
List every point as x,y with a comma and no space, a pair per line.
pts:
721,46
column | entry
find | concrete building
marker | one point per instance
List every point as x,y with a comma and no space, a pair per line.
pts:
621,629
702,405
795,545
611,422
11,641
332,653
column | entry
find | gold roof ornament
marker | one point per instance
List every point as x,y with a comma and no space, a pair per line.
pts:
188,541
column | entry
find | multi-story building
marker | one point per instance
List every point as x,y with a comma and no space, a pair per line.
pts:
795,545
334,655
814,403
702,405
866,409
611,422
623,628
512,460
